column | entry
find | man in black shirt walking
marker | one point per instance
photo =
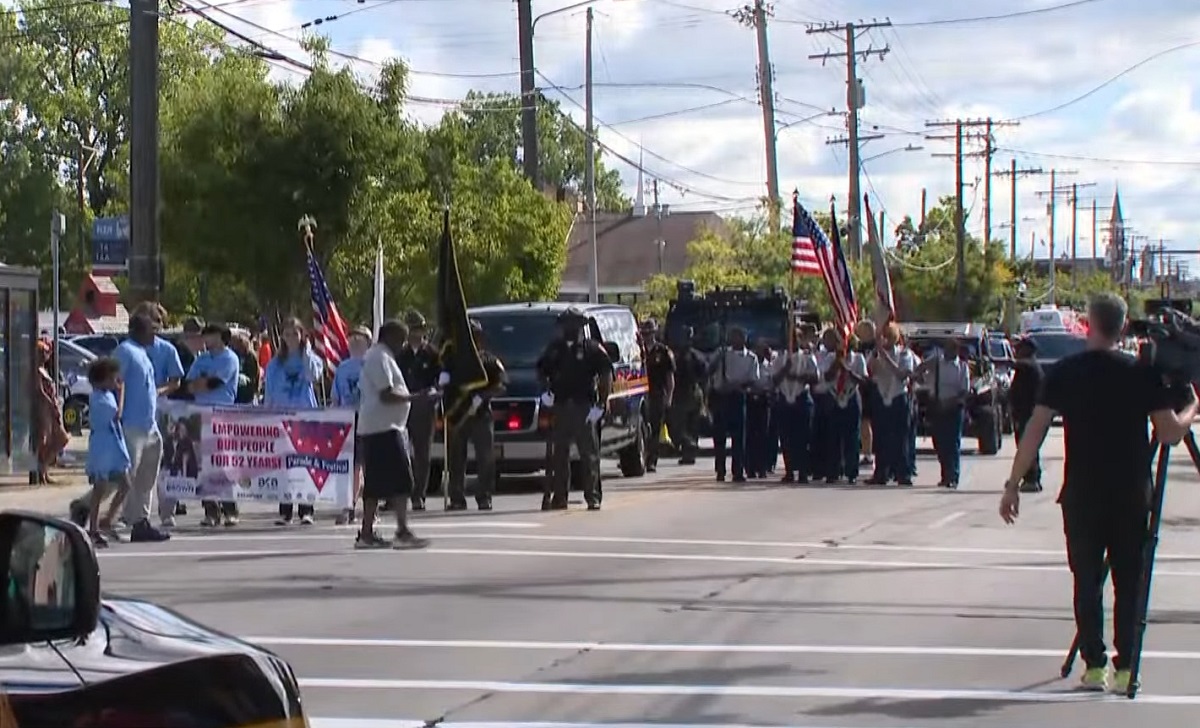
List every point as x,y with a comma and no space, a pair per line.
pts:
1105,398
422,366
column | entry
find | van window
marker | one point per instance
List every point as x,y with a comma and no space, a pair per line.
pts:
518,339
620,327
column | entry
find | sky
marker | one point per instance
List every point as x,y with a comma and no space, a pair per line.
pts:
675,86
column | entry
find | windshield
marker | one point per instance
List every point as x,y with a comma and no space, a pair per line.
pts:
1051,347
710,324
997,349
518,340
923,347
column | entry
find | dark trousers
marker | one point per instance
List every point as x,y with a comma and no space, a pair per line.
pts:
1120,532
213,509
572,428
910,444
301,510
729,428
1034,475
795,430
772,445
758,432
422,419
947,440
818,444
685,420
656,417
892,423
845,440
478,431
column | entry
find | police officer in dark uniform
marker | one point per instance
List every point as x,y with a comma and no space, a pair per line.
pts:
421,365
478,430
578,374
660,375
687,401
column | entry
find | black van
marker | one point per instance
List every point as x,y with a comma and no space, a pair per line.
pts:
518,333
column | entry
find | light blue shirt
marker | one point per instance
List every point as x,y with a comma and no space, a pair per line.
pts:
224,366
165,358
345,383
289,381
107,453
141,394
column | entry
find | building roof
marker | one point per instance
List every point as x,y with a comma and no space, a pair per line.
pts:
627,251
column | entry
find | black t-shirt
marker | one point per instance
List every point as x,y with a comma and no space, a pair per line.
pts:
660,364
1026,384
1105,399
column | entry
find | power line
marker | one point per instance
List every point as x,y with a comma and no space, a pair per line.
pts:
1109,82
1103,160
973,19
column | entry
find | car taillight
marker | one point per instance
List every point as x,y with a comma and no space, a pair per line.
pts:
513,422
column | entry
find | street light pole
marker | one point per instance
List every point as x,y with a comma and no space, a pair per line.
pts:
590,176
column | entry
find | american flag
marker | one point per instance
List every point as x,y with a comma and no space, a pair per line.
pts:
330,333
829,261
804,253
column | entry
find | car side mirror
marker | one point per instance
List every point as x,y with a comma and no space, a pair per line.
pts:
53,580
614,351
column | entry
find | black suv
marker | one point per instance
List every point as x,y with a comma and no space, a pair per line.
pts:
984,407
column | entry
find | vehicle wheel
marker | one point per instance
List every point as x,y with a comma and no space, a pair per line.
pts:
632,457
1008,427
989,437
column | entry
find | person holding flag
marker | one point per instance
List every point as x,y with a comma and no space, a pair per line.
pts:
891,367
846,374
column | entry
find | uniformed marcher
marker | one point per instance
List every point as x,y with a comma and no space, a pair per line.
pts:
949,381
846,375
478,429
660,374
891,367
421,365
734,370
760,455
792,374
822,394
578,374
687,402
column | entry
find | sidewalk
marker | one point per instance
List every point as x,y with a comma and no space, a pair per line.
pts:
69,482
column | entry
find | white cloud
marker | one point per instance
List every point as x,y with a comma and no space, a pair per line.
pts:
1004,69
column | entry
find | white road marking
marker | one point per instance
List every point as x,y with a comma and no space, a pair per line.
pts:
232,536
631,556
947,520
872,650
746,691
402,723
341,533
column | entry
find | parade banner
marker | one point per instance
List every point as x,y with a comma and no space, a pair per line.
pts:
256,454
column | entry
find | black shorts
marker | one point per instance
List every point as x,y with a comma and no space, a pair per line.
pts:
387,468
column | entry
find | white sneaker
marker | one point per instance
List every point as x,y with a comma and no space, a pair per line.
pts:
306,520
168,522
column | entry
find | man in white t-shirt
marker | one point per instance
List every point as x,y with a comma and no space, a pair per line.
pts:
382,425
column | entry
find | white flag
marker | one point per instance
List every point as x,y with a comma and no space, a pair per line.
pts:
377,308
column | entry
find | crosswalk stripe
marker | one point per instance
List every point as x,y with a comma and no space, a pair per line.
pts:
744,691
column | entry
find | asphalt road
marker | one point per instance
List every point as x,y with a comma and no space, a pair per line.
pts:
686,603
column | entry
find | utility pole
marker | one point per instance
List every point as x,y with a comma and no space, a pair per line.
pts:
58,228
1075,225
145,255
960,230
755,16
590,170
529,137
1052,208
855,99
1095,243
1013,173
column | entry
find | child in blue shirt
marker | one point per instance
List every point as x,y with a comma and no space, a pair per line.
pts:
108,458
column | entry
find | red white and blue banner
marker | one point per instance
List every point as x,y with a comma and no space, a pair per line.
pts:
256,454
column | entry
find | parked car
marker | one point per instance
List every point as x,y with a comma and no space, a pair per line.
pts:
1004,360
984,409
102,662
1055,344
73,363
98,344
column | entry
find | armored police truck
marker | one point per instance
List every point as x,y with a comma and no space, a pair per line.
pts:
517,334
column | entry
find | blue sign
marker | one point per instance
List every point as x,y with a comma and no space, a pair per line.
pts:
110,242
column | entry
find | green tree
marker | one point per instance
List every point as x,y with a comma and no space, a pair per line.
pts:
490,126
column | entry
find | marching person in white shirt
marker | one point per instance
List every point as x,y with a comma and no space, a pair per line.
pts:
891,367
818,451
760,455
845,374
793,373
950,380
734,370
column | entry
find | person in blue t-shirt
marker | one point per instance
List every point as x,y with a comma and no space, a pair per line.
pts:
140,421
291,380
168,374
347,394
213,380
107,457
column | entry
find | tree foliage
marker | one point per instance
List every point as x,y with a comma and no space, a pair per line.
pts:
244,156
